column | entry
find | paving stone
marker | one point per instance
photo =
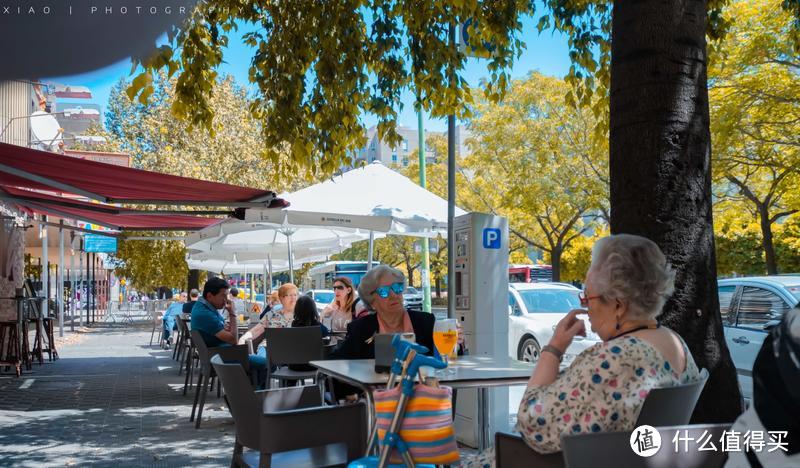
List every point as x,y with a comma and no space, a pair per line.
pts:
111,400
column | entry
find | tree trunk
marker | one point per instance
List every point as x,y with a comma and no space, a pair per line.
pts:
661,175
767,242
193,280
555,261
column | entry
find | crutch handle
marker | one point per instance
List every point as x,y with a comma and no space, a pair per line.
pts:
419,360
402,347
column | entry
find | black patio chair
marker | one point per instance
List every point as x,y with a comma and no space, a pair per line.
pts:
290,426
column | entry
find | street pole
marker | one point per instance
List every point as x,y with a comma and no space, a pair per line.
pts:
86,283
451,192
72,282
60,279
426,266
370,249
45,265
79,282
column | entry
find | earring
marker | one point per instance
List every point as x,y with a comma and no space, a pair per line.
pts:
617,323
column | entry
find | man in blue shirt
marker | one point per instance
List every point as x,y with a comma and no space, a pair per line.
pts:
212,327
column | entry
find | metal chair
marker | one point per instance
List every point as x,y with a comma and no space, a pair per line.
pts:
512,452
293,346
237,354
289,426
613,449
182,341
672,406
158,318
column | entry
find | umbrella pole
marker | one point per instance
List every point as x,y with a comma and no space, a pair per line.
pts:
269,261
264,285
291,263
371,247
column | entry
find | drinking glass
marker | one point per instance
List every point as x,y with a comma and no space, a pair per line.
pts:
445,338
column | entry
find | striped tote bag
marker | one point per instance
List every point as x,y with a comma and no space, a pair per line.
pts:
427,427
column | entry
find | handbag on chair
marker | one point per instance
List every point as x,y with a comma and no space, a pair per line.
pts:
427,427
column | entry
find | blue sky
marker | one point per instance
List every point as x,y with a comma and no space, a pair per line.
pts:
546,53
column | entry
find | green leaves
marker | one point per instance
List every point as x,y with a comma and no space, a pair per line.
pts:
319,67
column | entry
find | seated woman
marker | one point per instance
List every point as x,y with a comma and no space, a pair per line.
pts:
281,315
342,310
605,386
306,315
270,304
381,290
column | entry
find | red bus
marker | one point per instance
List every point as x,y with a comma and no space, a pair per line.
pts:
529,273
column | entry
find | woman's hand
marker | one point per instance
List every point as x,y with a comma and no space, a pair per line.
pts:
567,328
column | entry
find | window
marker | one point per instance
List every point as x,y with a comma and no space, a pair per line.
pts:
405,161
758,306
394,157
405,145
725,297
372,146
550,301
513,308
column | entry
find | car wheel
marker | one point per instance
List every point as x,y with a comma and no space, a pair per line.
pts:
529,350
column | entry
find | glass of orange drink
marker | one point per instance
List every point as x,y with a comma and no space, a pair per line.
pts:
445,338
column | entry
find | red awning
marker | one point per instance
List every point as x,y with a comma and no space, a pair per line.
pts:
41,170
98,213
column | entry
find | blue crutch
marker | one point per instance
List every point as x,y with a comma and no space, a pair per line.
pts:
409,358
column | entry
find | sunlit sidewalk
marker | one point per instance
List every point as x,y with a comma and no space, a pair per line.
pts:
111,400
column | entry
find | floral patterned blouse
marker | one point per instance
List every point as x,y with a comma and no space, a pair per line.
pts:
276,319
602,390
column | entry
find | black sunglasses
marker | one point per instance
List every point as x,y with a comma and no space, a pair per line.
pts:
339,287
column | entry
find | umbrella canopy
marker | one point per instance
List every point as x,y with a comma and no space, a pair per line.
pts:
229,267
372,198
237,237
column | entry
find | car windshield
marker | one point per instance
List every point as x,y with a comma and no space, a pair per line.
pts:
539,301
410,290
324,297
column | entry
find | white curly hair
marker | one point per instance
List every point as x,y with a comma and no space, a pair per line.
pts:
633,269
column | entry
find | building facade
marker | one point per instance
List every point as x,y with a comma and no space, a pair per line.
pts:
400,155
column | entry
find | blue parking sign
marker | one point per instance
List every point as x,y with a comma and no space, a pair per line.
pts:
491,238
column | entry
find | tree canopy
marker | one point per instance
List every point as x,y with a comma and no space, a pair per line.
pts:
156,141
536,160
321,66
755,108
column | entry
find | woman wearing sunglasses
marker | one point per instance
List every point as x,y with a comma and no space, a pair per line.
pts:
342,310
381,290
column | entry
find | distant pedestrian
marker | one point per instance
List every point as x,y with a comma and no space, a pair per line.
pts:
193,295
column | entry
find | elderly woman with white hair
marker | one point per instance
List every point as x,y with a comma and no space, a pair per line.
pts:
604,388
381,291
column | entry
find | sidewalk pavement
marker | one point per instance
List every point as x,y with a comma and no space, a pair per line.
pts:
111,400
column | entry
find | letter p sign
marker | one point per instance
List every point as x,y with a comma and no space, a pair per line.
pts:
491,238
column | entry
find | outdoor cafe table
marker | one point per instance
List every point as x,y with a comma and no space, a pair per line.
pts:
480,372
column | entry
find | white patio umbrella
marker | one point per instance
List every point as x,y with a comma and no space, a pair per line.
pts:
259,241
373,198
228,267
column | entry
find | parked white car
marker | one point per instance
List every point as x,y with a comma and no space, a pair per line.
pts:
412,298
534,310
750,307
322,297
